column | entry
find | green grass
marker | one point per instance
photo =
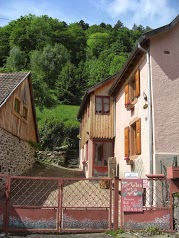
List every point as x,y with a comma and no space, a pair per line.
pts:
67,113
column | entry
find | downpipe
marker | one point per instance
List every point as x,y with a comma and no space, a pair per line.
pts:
149,99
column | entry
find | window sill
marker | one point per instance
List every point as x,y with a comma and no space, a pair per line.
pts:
134,101
129,162
102,113
133,157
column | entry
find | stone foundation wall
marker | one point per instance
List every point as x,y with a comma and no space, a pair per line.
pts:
52,157
16,156
176,210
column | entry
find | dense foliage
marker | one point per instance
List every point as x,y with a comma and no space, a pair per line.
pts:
64,58
58,126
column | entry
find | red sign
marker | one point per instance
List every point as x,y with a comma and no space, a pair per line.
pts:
131,192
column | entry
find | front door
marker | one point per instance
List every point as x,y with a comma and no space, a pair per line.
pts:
103,149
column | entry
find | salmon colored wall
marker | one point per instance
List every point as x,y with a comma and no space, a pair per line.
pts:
89,168
165,80
123,119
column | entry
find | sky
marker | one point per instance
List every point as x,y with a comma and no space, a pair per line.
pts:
152,13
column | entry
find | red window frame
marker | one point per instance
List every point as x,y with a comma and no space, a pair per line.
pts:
103,103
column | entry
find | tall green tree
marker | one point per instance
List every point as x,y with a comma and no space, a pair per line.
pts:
68,85
16,61
49,62
97,42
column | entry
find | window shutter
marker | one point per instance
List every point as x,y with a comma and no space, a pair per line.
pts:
126,142
126,93
138,137
137,83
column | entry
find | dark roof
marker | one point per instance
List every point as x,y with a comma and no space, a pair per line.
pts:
8,84
136,53
93,88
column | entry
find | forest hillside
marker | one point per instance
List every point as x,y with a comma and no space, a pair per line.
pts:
64,59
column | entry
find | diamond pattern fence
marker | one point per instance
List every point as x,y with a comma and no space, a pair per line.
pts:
85,193
86,205
39,192
156,193
77,204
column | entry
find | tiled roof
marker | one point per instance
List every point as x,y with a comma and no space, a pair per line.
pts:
9,82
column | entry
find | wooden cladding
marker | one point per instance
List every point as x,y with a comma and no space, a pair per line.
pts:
98,117
16,117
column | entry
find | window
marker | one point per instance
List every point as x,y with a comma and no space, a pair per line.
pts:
17,105
102,151
132,89
102,105
20,110
24,112
132,139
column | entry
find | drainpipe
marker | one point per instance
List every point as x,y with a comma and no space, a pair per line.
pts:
149,107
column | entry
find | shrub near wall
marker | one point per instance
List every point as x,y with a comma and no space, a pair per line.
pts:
54,133
16,156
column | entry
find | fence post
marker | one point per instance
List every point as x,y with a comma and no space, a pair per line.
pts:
116,203
7,196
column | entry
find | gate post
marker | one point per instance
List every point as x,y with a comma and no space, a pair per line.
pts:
116,203
7,196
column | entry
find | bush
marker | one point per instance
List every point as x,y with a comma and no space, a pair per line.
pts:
54,133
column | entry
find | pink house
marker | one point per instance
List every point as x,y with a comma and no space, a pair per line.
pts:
147,104
134,115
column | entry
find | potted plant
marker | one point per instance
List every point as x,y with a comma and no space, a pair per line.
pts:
85,163
129,106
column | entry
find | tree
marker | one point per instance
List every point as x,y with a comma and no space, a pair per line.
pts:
68,86
95,71
49,62
97,42
84,25
16,60
118,25
4,43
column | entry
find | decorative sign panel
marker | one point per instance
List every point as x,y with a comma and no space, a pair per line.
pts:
131,192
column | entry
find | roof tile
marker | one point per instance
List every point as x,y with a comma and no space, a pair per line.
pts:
8,82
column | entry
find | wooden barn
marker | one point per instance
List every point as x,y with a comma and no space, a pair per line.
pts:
18,126
96,115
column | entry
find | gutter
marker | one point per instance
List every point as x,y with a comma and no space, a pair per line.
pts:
149,107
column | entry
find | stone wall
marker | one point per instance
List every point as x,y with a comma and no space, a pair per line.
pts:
52,157
176,210
16,156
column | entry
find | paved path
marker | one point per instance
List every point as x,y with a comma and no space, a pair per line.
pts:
92,235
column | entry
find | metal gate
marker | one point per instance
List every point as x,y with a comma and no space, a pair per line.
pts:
54,204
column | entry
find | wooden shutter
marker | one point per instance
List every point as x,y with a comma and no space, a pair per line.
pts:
137,83
138,137
126,93
126,142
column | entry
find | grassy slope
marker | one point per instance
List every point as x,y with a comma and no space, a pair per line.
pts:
67,113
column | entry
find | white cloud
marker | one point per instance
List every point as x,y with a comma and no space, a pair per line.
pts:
145,12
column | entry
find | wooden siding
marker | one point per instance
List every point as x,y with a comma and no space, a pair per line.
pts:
11,121
85,129
98,126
